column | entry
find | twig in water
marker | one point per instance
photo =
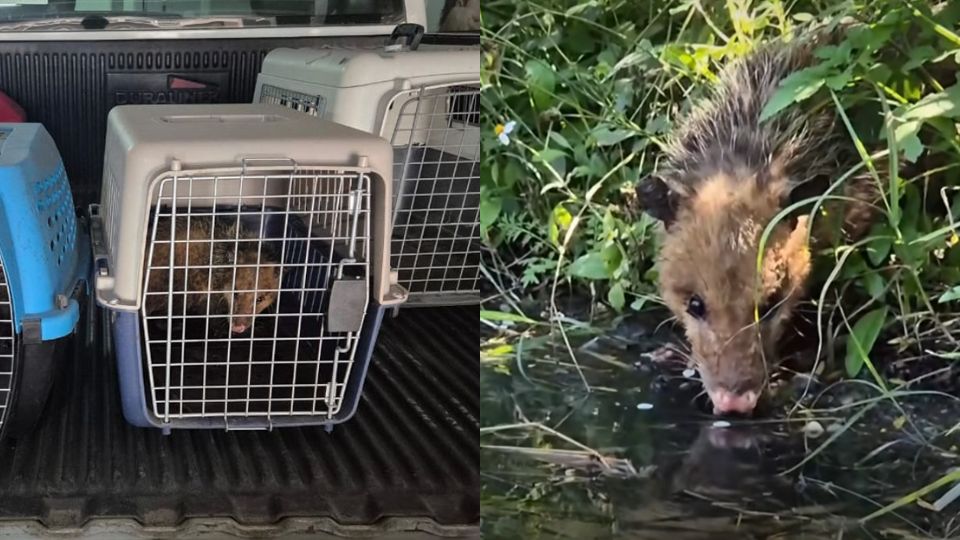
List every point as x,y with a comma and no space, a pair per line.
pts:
576,459
551,431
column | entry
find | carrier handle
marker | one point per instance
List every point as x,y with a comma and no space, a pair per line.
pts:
252,161
103,278
98,244
411,32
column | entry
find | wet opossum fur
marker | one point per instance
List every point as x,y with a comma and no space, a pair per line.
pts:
213,257
722,179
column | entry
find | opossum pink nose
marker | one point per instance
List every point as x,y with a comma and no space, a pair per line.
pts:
239,328
727,402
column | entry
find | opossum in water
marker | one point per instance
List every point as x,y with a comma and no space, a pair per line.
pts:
216,250
724,177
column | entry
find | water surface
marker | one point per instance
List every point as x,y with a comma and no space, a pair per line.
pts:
654,464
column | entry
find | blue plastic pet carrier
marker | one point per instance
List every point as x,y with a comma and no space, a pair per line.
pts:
44,261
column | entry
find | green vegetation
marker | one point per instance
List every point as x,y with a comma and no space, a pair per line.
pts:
592,88
582,95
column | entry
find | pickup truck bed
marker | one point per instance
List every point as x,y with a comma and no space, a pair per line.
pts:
408,460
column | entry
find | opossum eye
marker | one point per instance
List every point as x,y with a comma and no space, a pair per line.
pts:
696,307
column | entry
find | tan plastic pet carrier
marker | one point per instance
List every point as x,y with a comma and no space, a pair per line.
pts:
244,253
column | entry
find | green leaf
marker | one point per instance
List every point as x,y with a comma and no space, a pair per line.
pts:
609,223
834,53
839,80
542,82
658,124
560,140
878,250
533,273
615,296
919,56
612,257
795,88
607,136
630,60
874,284
879,72
490,207
643,52
560,219
555,158
862,337
590,266
502,316
638,304
912,147
950,295
512,172
551,155
580,8
941,104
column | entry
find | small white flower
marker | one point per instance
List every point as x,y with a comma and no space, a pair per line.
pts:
503,131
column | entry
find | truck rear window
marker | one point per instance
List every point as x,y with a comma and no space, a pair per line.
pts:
45,15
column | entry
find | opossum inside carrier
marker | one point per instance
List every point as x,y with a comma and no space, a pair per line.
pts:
219,265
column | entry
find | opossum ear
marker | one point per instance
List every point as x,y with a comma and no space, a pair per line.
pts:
797,251
657,199
787,265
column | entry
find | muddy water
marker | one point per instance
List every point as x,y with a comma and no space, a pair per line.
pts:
654,465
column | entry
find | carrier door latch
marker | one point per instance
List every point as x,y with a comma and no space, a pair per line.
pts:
348,302
348,297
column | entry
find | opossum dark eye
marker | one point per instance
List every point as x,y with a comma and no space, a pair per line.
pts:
696,307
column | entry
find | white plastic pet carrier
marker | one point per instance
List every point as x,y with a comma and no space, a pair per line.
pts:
244,251
426,103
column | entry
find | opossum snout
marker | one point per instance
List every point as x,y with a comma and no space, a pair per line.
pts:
725,402
734,383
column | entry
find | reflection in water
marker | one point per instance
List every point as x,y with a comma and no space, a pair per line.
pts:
667,472
725,463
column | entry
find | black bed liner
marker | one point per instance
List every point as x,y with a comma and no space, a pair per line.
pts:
410,456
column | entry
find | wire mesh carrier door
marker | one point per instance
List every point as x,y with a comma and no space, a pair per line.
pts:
44,262
436,224
237,297
8,346
256,294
